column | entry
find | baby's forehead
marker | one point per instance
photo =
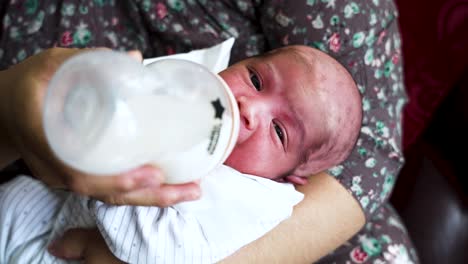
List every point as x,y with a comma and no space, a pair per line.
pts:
307,58
325,82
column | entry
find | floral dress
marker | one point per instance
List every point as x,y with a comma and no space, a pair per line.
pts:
362,35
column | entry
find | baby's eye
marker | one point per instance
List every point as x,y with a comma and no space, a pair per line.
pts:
279,132
255,80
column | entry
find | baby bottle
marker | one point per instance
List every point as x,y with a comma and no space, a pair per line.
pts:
106,113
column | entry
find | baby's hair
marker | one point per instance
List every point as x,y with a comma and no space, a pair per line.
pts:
343,111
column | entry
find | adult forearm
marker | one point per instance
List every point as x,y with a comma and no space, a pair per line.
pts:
326,218
8,152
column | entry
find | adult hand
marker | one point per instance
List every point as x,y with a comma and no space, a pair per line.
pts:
83,244
22,92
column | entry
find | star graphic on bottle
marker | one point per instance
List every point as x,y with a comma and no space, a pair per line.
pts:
218,107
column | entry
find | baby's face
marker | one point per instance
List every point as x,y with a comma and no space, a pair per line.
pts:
281,107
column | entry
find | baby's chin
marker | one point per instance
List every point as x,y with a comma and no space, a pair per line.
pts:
247,166
239,163
234,163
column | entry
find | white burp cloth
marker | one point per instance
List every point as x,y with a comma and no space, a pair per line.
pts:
237,208
234,210
215,58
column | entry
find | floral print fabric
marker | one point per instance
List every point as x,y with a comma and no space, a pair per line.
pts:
362,35
383,240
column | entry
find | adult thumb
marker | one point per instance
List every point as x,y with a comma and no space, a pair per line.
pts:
136,54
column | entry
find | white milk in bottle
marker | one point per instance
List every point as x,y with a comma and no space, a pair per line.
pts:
105,113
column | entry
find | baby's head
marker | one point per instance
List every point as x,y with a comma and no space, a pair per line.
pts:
300,113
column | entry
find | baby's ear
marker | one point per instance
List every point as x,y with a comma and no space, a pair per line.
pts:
294,179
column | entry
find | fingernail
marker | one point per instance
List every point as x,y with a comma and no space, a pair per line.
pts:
148,182
191,195
147,177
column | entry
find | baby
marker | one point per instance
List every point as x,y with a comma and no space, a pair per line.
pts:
300,114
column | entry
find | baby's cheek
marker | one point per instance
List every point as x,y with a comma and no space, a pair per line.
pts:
252,162
243,160
233,80
238,159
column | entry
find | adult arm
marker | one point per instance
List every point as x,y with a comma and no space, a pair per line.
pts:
8,153
326,218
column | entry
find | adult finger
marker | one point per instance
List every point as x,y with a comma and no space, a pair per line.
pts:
162,196
136,54
109,185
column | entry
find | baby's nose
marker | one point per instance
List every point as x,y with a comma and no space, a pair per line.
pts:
247,113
